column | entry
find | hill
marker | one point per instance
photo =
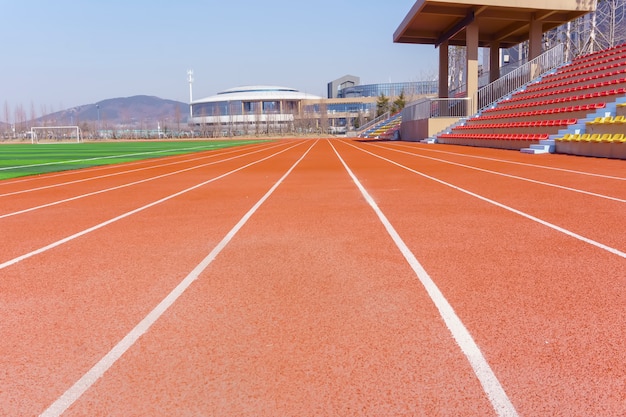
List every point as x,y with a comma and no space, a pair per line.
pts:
136,112
131,112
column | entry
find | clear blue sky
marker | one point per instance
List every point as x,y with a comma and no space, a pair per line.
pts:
64,53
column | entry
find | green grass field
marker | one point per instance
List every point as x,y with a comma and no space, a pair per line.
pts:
18,160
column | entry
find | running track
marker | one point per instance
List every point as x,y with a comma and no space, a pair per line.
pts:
317,278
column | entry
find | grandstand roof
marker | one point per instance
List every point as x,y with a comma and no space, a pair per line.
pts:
505,21
258,93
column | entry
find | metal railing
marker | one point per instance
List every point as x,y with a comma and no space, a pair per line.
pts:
520,76
373,122
436,107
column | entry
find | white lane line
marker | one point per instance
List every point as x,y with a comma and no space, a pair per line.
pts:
88,379
547,184
128,171
506,161
78,197
511,209
130,213
492,387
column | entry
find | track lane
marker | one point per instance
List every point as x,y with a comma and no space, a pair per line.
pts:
75,301
613,185
558,206
588,166
544,307
311,309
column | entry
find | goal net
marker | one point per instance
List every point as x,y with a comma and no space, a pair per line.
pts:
54,134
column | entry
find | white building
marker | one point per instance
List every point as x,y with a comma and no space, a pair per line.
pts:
249,109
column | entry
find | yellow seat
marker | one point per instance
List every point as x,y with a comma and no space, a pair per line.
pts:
619,119
586,137
618,137
596,121
607,137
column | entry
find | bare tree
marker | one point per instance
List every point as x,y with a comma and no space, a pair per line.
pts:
177,117
20,119
604,28
324,125
610,20
7,118
257,119
457,65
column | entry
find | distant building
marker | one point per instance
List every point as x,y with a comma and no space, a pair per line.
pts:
249,109
347,81
415,88
272,109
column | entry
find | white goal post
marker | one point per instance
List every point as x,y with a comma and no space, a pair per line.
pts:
54,134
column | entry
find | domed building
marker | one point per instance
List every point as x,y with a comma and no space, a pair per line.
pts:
250,110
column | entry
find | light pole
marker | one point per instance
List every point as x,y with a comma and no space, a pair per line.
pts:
190,79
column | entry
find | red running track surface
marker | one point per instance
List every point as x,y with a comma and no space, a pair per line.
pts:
291,278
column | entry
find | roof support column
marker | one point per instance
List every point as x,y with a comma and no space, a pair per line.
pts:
534,47
443,70
472,66
494,61
534,44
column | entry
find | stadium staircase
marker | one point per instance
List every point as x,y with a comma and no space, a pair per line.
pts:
384,129
558,105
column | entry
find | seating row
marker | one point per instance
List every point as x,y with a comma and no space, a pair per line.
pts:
606,62
500,141
530,123
608,120
560,100
538,86
599,54
542,112
559,76
528,137
602,146
523,95
596,137
567,90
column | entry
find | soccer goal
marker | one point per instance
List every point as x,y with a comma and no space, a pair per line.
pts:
54,134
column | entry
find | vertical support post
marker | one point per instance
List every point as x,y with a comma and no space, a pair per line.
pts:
534,44
494,61
472,66
443,70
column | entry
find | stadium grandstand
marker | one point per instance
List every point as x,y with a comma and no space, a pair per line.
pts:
546,104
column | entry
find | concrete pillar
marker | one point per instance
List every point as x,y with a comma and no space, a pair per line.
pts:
443,70
494,61
471,32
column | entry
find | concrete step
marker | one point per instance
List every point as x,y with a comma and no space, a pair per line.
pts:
537,149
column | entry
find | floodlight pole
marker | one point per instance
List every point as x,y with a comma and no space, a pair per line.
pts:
190,79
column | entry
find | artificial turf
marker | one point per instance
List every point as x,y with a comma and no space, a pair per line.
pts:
18,160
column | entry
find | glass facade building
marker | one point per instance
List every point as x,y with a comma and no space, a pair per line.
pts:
391,89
